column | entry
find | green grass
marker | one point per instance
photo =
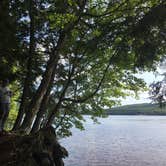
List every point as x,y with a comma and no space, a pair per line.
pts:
138,109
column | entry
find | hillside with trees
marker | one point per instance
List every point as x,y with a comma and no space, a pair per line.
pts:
138,109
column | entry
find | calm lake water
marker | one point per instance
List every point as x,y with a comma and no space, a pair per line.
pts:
119,141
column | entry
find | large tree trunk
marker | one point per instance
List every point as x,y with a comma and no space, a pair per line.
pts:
28,80
44,104
36,100
40,149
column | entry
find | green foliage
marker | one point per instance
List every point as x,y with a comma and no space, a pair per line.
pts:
105,45
13,106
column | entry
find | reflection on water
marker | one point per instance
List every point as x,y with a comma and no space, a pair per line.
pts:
119,141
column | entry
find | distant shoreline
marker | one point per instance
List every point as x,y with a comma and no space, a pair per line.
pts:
138,109
137,114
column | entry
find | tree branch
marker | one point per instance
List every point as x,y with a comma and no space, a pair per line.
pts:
84,99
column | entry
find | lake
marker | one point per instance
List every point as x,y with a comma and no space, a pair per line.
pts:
119,141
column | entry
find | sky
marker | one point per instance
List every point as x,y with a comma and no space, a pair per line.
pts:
149,78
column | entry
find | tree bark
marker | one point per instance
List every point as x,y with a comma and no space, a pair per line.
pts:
43,106
27,80
36,100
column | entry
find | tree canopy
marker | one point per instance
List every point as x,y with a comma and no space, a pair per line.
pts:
66,58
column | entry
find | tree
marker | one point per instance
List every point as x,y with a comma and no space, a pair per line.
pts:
82,56
158,89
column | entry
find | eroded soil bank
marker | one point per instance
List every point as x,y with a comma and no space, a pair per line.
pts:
39,149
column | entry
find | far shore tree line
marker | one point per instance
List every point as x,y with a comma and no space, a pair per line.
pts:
65,58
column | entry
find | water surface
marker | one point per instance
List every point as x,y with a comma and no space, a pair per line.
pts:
119,141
